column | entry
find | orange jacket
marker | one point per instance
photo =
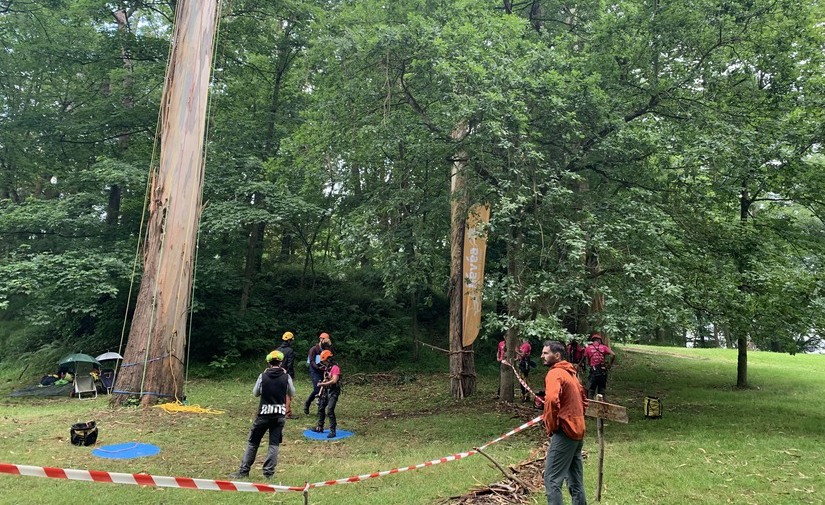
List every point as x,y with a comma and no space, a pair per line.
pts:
564,402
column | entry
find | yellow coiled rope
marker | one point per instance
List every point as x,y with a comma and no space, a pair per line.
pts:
180,407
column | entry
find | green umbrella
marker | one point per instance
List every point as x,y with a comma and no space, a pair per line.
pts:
78,358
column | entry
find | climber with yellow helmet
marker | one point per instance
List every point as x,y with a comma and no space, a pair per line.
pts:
289,354
274,387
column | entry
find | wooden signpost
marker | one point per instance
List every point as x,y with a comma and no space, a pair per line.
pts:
602,410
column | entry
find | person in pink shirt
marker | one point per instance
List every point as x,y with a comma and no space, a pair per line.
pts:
330,389
599,358
523,357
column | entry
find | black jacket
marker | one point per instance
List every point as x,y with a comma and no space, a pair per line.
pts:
289,357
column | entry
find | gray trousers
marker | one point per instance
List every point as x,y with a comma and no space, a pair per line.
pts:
275,425
564,461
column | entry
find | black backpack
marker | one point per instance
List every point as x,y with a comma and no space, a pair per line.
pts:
83,433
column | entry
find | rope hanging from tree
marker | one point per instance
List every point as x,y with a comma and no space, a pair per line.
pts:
193,219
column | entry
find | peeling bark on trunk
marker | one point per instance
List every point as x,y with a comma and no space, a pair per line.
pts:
153,362
462,364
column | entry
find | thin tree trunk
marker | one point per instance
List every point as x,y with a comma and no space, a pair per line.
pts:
154,356
742,362
113,206
254,259
741,263
508,382
414,316
115,193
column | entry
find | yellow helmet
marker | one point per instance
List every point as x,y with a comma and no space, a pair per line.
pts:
275,356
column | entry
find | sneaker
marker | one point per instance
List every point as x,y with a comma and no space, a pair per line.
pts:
331,433
306,409
317,429
239,475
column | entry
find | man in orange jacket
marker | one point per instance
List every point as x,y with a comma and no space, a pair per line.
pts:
564,404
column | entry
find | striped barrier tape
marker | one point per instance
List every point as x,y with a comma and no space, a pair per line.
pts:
359,478
522,382
453,457
141,479
223,485
531,422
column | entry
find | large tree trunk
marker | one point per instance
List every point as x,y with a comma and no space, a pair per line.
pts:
595,311
154,357
462,364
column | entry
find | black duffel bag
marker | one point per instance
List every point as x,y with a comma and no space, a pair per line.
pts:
83,433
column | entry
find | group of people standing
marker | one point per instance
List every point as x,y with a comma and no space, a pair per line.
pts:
276,389
595,359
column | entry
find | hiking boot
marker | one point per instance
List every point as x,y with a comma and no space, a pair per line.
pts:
331,433
239,475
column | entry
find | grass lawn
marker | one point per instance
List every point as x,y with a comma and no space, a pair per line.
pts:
714,445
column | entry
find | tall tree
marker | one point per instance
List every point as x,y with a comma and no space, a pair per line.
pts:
158,335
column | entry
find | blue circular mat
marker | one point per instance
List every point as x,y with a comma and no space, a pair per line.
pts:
128,450
339,434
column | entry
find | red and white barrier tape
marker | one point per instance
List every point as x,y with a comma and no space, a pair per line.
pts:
454,457
359,478
531,422
522,382
140,479
224,485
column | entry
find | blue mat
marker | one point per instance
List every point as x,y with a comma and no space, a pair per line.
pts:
339,434
128,450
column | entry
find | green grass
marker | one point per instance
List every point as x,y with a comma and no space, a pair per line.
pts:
714,445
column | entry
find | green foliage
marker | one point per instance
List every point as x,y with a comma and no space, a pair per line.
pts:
367,329
660,157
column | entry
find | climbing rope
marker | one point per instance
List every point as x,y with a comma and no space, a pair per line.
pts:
178,406
197,189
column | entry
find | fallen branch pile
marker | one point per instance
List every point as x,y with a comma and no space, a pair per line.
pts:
528,478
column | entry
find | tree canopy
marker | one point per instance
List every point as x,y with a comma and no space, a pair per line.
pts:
654,169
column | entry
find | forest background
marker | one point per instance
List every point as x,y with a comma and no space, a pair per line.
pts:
654,172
